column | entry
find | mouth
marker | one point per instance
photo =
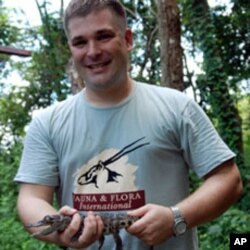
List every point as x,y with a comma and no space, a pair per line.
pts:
98,66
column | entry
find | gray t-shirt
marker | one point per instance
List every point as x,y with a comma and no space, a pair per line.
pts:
114,159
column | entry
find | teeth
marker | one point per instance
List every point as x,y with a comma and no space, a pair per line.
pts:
97,65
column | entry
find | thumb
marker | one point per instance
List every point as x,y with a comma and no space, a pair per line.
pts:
66,210
140,212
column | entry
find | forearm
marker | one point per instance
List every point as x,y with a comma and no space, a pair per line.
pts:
34,202
220,190
32,208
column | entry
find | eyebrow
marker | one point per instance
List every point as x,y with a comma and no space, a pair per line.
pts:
98,32
77,38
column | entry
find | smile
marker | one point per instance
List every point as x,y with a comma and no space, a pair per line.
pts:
98,65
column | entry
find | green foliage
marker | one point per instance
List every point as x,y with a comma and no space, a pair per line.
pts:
13,118
215,235
145,59
243,105
9,34
47,71
225,64
45,74
210,31
12,233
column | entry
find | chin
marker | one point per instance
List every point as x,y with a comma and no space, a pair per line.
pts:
98,85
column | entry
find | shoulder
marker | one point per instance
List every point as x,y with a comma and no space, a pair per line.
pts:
55,114
163,96
59,108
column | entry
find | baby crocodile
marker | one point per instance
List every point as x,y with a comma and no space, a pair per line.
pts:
112,225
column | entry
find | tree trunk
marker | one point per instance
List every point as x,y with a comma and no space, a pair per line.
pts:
76,81
170,39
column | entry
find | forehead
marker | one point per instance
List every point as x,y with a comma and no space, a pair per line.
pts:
92,23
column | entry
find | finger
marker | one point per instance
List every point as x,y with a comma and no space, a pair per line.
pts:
73,227
139,212
144,232
66,210
100,226
90,232
138,227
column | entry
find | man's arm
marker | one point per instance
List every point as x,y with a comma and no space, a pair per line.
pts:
221,188
35,201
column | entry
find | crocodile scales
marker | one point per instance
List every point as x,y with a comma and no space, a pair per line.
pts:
112,225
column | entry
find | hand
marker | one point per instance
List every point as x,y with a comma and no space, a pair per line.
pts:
92,231
154,226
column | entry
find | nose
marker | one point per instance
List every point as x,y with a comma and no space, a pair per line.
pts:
93,49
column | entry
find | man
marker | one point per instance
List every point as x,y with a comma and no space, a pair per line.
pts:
120,146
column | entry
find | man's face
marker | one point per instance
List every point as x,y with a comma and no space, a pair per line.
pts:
100,49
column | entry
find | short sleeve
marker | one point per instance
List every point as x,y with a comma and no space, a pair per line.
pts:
39,163
202,146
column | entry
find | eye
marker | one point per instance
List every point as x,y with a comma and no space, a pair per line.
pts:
79,43
105,36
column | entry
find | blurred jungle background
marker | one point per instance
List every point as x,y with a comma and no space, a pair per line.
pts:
200,47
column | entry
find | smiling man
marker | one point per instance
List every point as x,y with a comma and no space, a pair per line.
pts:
100,50
122,148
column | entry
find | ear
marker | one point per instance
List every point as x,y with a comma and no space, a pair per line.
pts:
129,39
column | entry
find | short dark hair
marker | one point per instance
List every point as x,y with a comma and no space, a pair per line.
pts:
82,8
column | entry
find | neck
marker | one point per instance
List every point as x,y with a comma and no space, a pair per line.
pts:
109,97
